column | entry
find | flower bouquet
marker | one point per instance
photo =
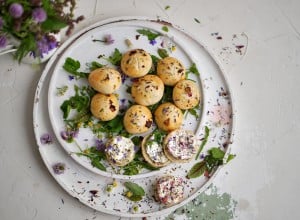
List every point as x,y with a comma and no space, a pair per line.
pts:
34,24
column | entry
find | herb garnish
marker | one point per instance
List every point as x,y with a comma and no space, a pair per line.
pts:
205,138
72,66
94,65
135,192
61,90
112,127
149,34
193,69
95,156
197,20
165,28
115,58
163,53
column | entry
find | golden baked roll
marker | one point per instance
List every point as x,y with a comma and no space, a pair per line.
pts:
137,119
168,117
169,190
105,80
152,150
170,70
136,63
180,145
147,90
104,106
186,94
119,151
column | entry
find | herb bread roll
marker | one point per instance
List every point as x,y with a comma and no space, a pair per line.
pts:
170,70
105,80
168,117
186,94
147,90
137,119
104,106
136,63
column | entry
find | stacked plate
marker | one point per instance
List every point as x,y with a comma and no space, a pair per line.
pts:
74,172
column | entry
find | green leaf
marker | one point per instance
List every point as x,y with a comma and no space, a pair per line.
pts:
165,28
163,53
149,34
53,24
135,189
217,153
115,58
135,198
95,65
193,69
197,170
27,44
72,66
194,112
96,163
167,7
205,138
137,140
230,157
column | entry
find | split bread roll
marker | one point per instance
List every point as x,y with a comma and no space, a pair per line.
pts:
119,151
169,190
180,145
153,152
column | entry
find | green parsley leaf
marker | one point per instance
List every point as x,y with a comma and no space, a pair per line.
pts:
53,24
96,163
95,65
134,188
193,69
165,28
72,66
193,111
217,153
149,34
206,134
115,58
163,53
230,157
197,170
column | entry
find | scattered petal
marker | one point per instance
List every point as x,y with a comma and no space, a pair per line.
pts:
46,139
59,168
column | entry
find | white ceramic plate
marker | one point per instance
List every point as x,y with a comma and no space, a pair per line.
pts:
80,179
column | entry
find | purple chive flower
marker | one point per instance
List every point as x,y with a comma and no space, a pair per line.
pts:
152,42
39,15
69,135
1,23
46,139
59,168
100,145
3,41
46,44
108,39
16,10
71,77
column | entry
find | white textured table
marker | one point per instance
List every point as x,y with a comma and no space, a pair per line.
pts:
264,76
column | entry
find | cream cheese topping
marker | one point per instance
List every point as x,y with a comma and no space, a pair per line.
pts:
182,145
155,151
170,190
120,150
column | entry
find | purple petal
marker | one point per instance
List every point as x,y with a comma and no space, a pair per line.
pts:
3,41
100,145
71,77
39,15
108,39
16,10
46,139
59,168
152,42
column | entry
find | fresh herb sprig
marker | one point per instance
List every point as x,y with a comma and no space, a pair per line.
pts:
115,58
72,66
163,53
135,192
204,141
61,90
149,34
193,69
95,156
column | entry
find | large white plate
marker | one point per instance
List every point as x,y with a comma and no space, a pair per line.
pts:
80,178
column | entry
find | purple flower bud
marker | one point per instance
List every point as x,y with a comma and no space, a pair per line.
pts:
100,145
1,23
39,15
152,42
16,10
46,139
108,39
3,41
